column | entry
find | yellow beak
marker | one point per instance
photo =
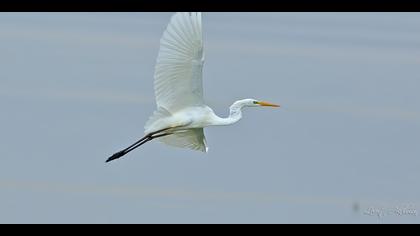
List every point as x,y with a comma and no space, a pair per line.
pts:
267,104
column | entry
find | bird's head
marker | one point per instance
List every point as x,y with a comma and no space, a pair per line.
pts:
256,103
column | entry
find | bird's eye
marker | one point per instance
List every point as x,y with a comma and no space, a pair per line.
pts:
255,102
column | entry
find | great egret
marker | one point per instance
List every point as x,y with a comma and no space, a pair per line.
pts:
181,112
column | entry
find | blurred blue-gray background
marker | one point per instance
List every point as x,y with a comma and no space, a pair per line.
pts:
76,87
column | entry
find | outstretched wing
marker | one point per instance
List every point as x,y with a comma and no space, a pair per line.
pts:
193,139
178,72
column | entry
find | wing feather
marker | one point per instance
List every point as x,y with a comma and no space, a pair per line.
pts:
193,139
178,73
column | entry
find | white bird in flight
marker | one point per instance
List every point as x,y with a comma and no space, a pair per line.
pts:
181,111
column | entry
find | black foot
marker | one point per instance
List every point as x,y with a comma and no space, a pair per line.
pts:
116,156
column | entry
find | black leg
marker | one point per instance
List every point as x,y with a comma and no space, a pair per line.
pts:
129,149
137,144
146,137
149,138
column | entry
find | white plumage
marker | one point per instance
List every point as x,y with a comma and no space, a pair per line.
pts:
178,72
178,77
181,112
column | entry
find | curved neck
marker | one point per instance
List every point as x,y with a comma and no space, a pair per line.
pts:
235,114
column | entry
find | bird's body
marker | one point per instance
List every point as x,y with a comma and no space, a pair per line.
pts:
188,118
181,112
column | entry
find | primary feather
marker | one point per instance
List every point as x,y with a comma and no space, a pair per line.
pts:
178,78
178,73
